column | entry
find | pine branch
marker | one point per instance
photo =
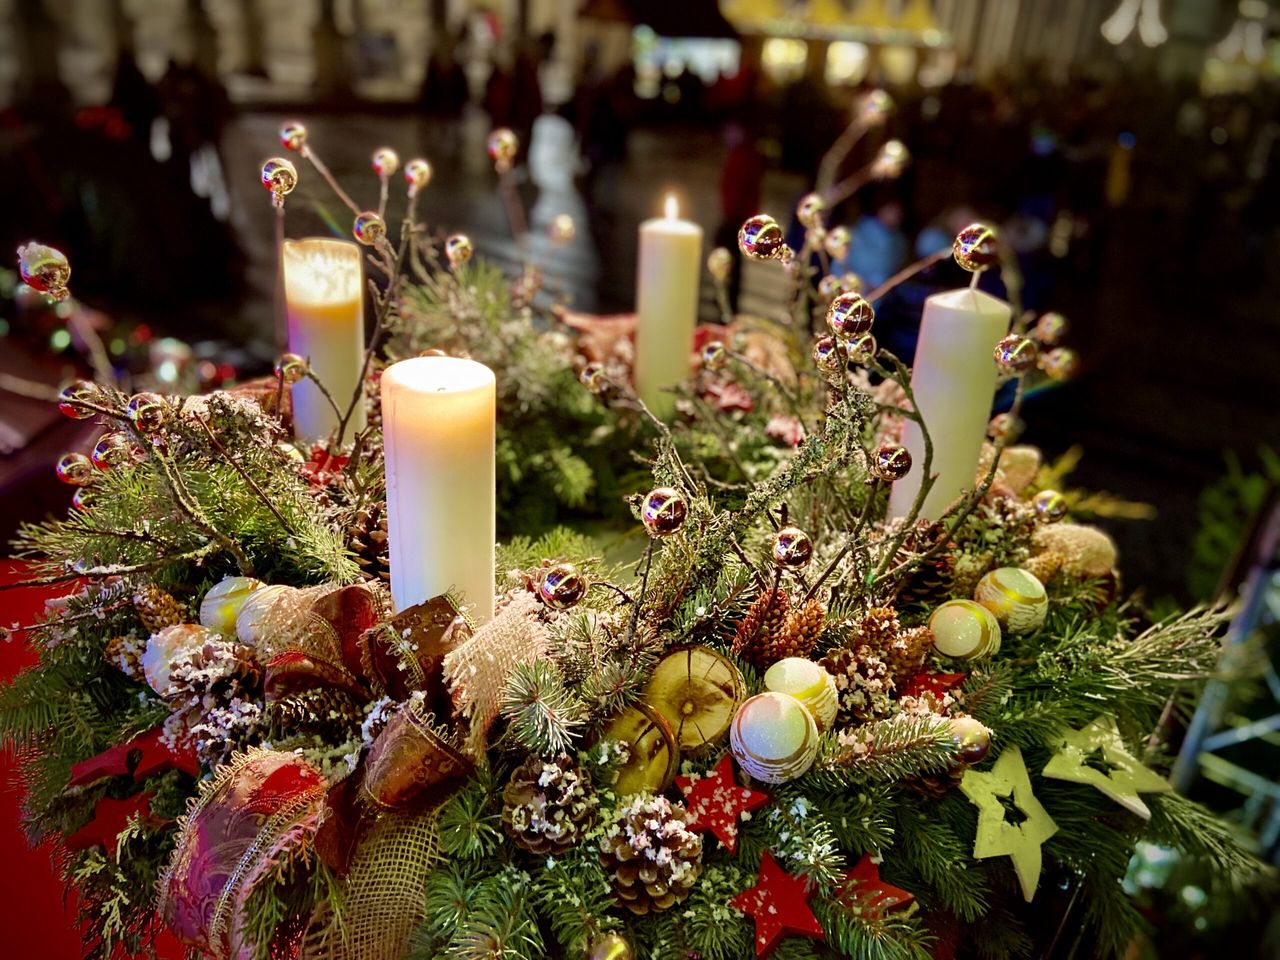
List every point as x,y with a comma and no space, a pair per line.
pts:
545,717
891,749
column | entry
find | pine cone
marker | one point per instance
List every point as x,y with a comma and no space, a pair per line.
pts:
125,654
863,684
334,715
877,630
759,631
548,805
930,583
1044,566
800,632
367,540
157,608
652,857
938,785
906,653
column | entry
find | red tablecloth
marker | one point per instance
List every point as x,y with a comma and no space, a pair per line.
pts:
39,921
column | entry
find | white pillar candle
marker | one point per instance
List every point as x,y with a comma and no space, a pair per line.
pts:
438,416
954,379
667,281
324,297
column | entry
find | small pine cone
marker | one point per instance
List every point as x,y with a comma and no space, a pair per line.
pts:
877,630
652,857
800,632
1044,566
157,608
765,620
863,684
125,654
548,805
907,653
929,583
937,785
367,541
334,715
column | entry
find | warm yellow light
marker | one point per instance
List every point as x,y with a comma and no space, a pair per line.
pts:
671,209
321,271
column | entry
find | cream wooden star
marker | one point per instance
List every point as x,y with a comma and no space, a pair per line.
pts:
1122,783
996,836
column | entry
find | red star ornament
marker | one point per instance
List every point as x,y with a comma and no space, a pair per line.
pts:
863,889
780,904
715,802
933,683
109,818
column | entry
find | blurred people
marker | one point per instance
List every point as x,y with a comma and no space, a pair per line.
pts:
741,181
878,248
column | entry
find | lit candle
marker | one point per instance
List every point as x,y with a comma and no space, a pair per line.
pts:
323,292
438,436
954,380
667,280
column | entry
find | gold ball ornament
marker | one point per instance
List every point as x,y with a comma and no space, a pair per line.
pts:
715,356
1060,363
417,174
83,498
663,511
830,287
562,229
279,176
810,684
112,450
223,602
720,263
258,622
774,737
972,739
385,162
976,248
760,238
873,107
75,469
1051,328
697,690
892,461
146,411
369,229
792,548
45,269
810,209
1050,505
458,250
291,368
891,160
826,354
850,315
852,282
964,630
76,393
1016,597
1015,354
562,586
862,348
503,145
593,377
610,946
837,243
293,135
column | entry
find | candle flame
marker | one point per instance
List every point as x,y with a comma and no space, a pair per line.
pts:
672,207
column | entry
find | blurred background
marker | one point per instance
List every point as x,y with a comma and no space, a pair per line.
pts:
1126,148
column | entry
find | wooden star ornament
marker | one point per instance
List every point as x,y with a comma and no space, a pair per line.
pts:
996,835
779,903
716,802
1082,755
862,888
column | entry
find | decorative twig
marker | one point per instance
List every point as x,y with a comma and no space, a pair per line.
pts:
907,272
113,570
253,484
850,540
321,169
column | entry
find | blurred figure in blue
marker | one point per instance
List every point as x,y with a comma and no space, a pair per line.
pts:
878,248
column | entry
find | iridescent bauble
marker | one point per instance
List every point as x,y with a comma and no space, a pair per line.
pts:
417,174
826,354
75,469
1060,363
972,739
146,411
369,228
862,348
279,176
964,630
291,368
45,269
892,461
792,548
830,287
760,238
874,107
1051,328
562,229
293,135
850,315
83,498
610,946
73,394
810,209
385,162
503,146
562,586
891,160
1016,597
1015,354
223,602
808,683
1050,505
663,511
112,450
458,250
976,247
715,356
837,243
720,263
593,377
773,737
